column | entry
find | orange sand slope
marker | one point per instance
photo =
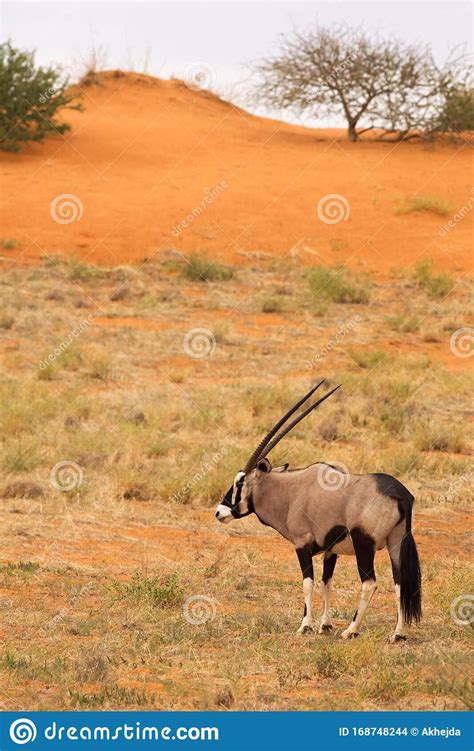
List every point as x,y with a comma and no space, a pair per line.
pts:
146,154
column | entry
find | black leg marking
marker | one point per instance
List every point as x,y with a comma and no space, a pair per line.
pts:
329,565
305,558
364,547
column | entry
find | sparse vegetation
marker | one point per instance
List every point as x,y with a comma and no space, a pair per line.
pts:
148,426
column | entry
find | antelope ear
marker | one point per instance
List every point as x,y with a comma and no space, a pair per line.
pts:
283,468
264,465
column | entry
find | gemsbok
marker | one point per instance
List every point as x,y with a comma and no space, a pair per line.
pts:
323,509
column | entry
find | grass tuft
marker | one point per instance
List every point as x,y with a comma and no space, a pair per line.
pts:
201,269
155,591
436,286
335,285
438,206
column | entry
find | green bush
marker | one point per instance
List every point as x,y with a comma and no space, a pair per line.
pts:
30,98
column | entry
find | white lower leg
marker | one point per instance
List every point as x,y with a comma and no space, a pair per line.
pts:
400,629
368,590
307,621
325,624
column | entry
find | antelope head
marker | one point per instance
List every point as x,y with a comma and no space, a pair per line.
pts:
237,502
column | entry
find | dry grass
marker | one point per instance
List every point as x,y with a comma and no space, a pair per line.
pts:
432,204
96,575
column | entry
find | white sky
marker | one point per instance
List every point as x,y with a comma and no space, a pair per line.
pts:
171,36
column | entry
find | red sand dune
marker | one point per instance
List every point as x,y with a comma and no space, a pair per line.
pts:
146,152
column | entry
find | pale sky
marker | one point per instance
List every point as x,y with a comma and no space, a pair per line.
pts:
168,37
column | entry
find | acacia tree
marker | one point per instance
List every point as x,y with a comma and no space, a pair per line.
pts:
30,98
337,71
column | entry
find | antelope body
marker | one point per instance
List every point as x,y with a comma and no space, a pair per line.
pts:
322,509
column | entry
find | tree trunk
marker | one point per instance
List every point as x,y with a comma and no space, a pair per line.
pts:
352,132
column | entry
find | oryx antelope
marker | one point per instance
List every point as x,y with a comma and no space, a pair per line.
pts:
322,509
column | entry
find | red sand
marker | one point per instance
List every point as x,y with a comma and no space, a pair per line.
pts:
144,152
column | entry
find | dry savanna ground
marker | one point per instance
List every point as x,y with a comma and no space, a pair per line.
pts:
103,368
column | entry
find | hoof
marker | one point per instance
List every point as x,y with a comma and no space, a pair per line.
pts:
397,638
305,630
325,628
349,634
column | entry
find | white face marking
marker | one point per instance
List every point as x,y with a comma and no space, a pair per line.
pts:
238,477
224,514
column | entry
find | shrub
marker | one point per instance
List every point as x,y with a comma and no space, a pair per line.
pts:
31,97
200,269
436,286
333,284
8,243
271,305
406,324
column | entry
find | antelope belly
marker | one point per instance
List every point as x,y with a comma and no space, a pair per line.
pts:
344,547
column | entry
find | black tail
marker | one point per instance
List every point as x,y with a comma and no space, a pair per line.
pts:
410,574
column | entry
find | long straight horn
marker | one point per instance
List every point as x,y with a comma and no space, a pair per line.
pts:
263,443
294,422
